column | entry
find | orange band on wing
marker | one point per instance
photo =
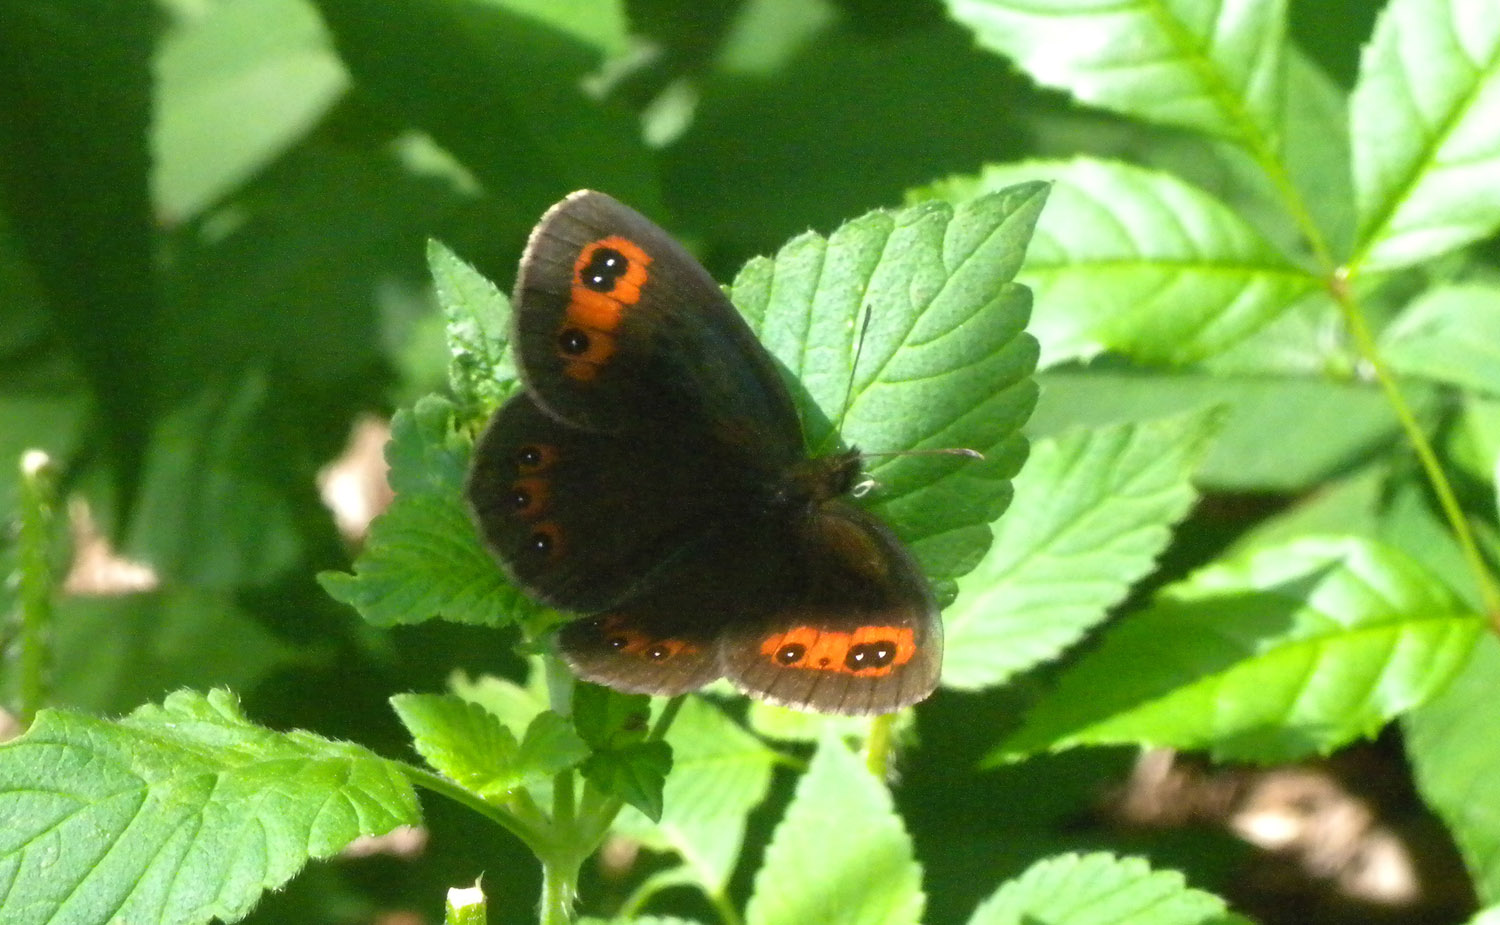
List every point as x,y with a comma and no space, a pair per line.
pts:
630,641
607,279
597,310
867,652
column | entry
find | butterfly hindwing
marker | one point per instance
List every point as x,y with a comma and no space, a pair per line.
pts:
854,628
581,519
830,615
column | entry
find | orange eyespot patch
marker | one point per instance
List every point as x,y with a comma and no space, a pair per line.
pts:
546,540
622,638
535,457
607,279
868,652
528,496
612,266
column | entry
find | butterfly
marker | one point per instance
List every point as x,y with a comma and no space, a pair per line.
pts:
652,477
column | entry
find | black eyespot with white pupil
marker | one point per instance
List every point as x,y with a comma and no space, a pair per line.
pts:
528,457
520,498
876,654
540,542
573,342
604,269
791,653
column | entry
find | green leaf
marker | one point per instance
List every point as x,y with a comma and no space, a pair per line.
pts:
945,361
638,921
785,724
1093,510
547,740
1449,334
173,637
770,33
1315,147
600,24
844,89
1141,263
212,512
473,747
177,813
1210,67
623,763
719,774
840,854
1423,115
478,328
550,745
636,773
516,706
1349,505
1321,428
1455,757
501,85
423,558
607,718
237,85
1100,889
1278,654
315,283
75,111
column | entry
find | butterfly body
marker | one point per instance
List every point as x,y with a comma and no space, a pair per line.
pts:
652,476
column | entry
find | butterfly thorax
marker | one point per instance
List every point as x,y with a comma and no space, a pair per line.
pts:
811,482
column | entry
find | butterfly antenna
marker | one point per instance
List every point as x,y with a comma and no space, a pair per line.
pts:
866,485
943,451
859,347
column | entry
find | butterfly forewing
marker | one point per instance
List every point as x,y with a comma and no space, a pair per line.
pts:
616,321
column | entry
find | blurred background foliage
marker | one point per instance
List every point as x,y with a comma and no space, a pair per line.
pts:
212,227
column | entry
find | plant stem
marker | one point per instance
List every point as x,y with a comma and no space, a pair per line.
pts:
559,886
1365,343
878,746
563,856
527,831
1270,161
38,511
668,714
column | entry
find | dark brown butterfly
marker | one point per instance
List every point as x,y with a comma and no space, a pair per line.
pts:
653,477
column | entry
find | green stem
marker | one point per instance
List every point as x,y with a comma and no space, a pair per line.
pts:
878,746
559,887
564,858
530,831
727,912
36,581
668,714
1262,152
1365,343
